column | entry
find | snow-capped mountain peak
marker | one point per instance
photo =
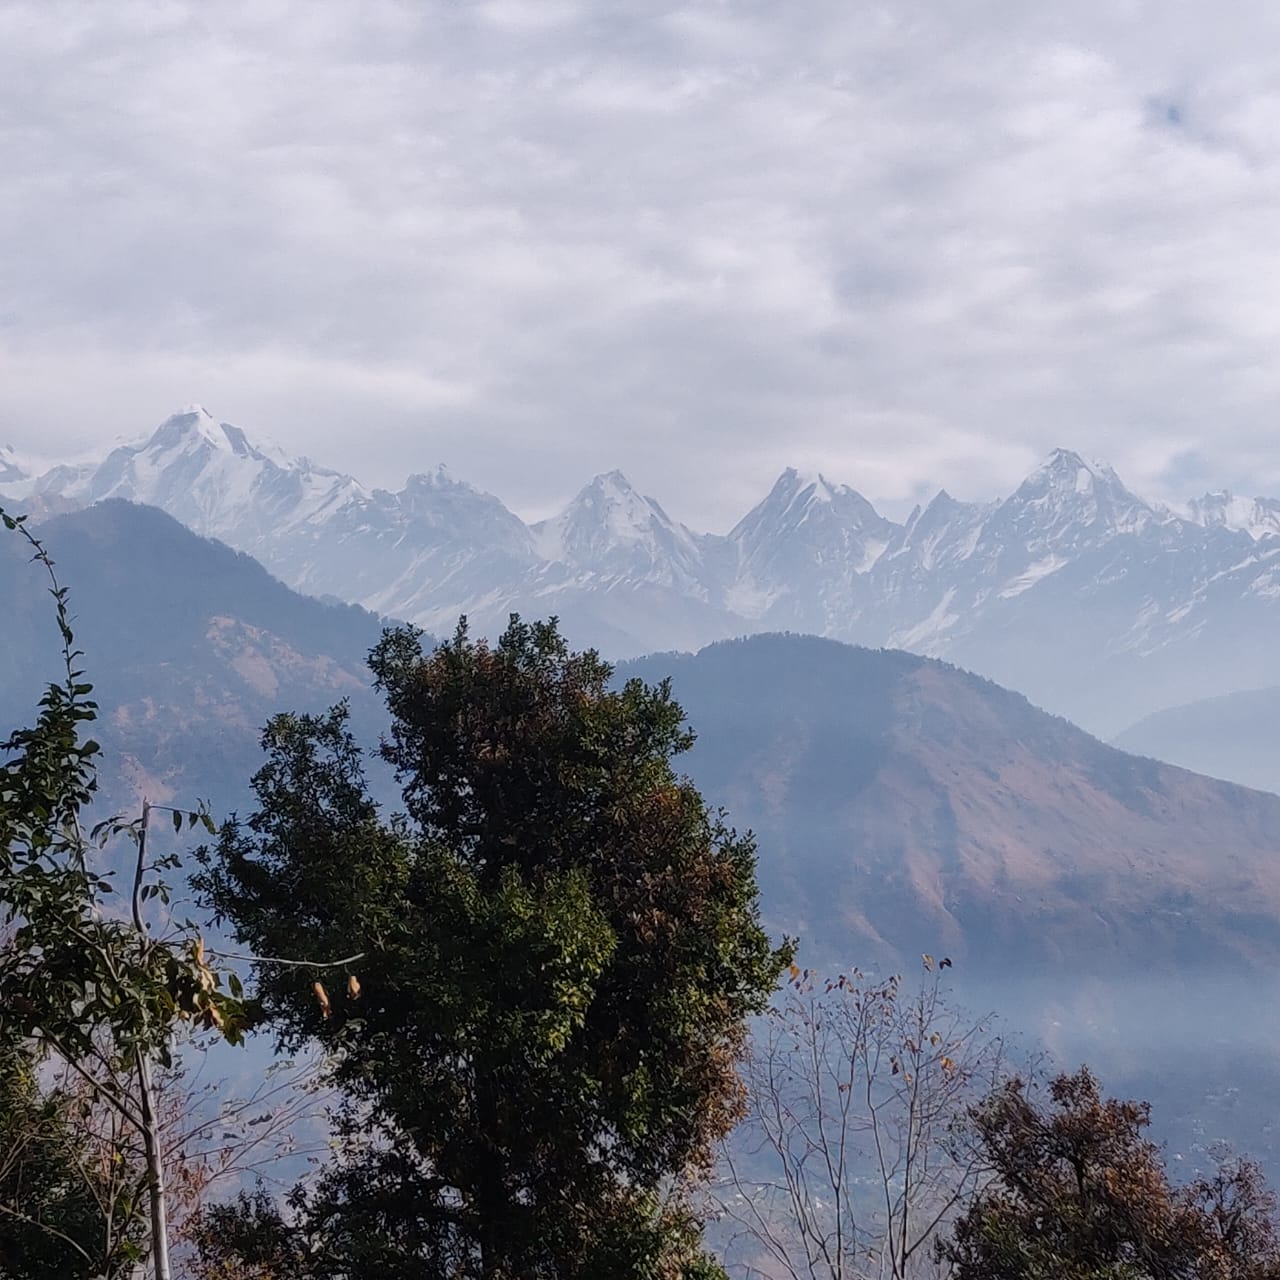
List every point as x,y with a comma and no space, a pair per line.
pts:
438,477
1068,495
807,539
187,430
209,475
997,585
612,528
195,430
458,514
1258,517
805,485
425,490
612,504
1067,472
607,512
791,503
944,530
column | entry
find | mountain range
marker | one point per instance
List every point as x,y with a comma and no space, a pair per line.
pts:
901,804
1102,902
1096,603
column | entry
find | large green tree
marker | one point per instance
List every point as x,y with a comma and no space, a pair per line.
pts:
559,951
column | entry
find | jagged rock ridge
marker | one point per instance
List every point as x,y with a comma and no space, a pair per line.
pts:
1092,600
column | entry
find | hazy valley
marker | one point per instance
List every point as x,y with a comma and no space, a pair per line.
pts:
901,804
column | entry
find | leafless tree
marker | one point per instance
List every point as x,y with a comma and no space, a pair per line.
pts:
215,1139
856,1148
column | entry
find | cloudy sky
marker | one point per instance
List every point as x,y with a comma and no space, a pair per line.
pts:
910,244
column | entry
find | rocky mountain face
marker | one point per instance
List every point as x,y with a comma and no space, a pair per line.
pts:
1093,601
1258,517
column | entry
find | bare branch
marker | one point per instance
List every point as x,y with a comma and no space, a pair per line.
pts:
848,1163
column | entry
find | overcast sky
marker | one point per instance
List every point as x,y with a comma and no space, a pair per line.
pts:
911,244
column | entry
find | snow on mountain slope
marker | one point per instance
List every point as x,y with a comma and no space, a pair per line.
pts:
317,529
1078,592
1093,601
613,560
210,476
978,556
803,553
612,530
1258,517
427,553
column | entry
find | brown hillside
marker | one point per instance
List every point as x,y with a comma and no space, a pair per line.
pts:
903,805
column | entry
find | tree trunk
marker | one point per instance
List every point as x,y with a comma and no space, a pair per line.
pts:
150,1121
491,1186
155,1172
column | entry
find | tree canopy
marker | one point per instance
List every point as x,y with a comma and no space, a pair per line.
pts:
558,946
1080,1193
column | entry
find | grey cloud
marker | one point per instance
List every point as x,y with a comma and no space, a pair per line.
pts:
911,245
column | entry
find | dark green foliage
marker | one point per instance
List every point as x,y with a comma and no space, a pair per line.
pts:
560,950
54,1187
249,1238
79,984
75,977
1081,1194
377,1228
